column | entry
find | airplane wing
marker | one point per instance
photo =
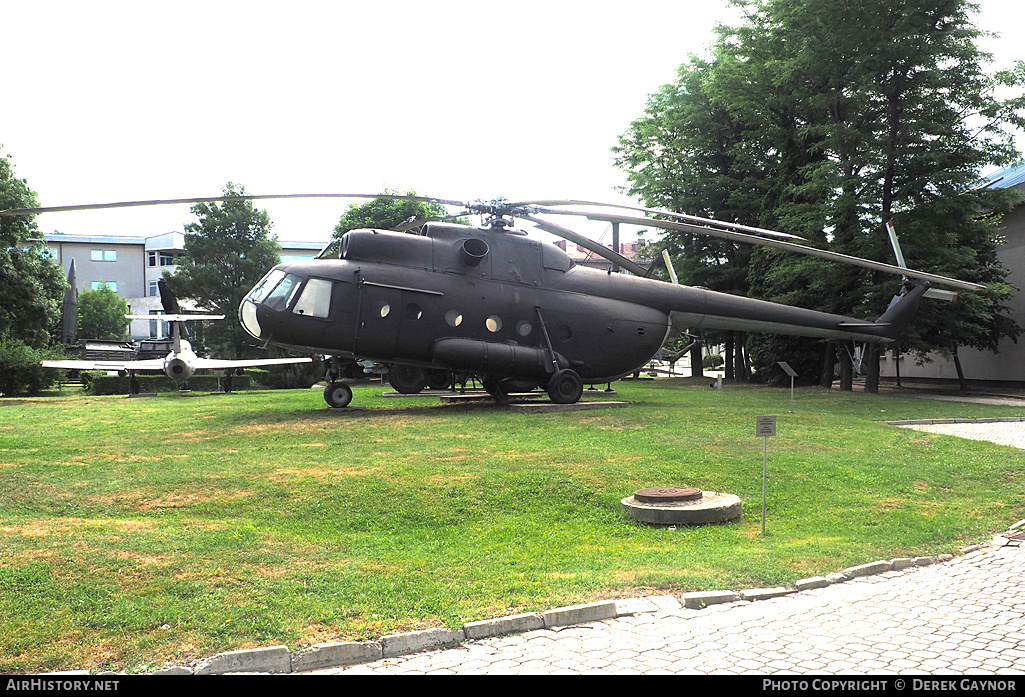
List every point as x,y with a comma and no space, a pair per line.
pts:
156,364
215,364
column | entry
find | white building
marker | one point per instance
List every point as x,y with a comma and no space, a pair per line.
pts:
131,267
1008,364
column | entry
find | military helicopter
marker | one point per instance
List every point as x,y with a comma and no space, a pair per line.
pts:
492,302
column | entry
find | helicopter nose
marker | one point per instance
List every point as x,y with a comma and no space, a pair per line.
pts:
247,315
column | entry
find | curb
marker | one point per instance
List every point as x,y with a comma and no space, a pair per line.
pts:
940,422
277,659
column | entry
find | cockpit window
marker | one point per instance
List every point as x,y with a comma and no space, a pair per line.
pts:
282,294
315,300
266,285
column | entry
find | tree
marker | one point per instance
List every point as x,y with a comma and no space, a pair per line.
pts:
226,252
386,214
31,285
684,155
101,314
848,115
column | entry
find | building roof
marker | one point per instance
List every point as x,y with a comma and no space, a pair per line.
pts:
1007,177
93,239
166,240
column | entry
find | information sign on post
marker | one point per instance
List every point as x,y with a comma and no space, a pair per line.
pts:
765,428
793,374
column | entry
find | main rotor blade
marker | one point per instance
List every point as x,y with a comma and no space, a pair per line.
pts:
417,222
588,244
779,244
212,199
654,211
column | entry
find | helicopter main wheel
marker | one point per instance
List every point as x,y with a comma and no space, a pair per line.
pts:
407,379
338,395
494,387
565,387
439,379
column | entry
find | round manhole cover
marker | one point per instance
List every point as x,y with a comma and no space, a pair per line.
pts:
667,494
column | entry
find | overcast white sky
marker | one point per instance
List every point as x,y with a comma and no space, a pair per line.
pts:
112,101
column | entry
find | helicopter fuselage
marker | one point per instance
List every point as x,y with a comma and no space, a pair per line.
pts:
496,302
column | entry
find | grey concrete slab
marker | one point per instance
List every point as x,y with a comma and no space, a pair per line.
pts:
334,654
271,659
411,642
512,624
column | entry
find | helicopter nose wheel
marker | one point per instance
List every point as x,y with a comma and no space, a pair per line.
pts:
565,387
338,395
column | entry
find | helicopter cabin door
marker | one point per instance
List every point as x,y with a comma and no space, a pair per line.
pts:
380,314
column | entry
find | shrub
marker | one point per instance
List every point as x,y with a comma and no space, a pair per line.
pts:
20,372
712,361
101,383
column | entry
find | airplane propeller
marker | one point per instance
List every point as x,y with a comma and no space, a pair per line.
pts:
499,213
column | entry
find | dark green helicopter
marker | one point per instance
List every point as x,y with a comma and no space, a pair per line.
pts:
494,303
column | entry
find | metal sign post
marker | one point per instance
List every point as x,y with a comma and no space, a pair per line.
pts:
765,427
793,374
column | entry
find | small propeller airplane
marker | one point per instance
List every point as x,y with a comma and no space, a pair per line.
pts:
181,363
491,302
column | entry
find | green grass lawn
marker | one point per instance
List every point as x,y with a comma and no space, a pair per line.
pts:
139,532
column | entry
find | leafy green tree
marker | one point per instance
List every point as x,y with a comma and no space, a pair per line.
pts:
846,116
386,214
683,155
31,285
101,314
20,371
226,252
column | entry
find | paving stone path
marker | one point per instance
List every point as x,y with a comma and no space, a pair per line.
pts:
1010,433
963,616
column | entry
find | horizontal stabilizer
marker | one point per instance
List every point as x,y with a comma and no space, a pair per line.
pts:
175,318
214,364
71,364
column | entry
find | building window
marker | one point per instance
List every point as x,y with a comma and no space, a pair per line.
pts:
96,285
103,255
153,289
154,325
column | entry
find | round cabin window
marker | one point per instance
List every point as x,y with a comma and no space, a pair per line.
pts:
454,318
